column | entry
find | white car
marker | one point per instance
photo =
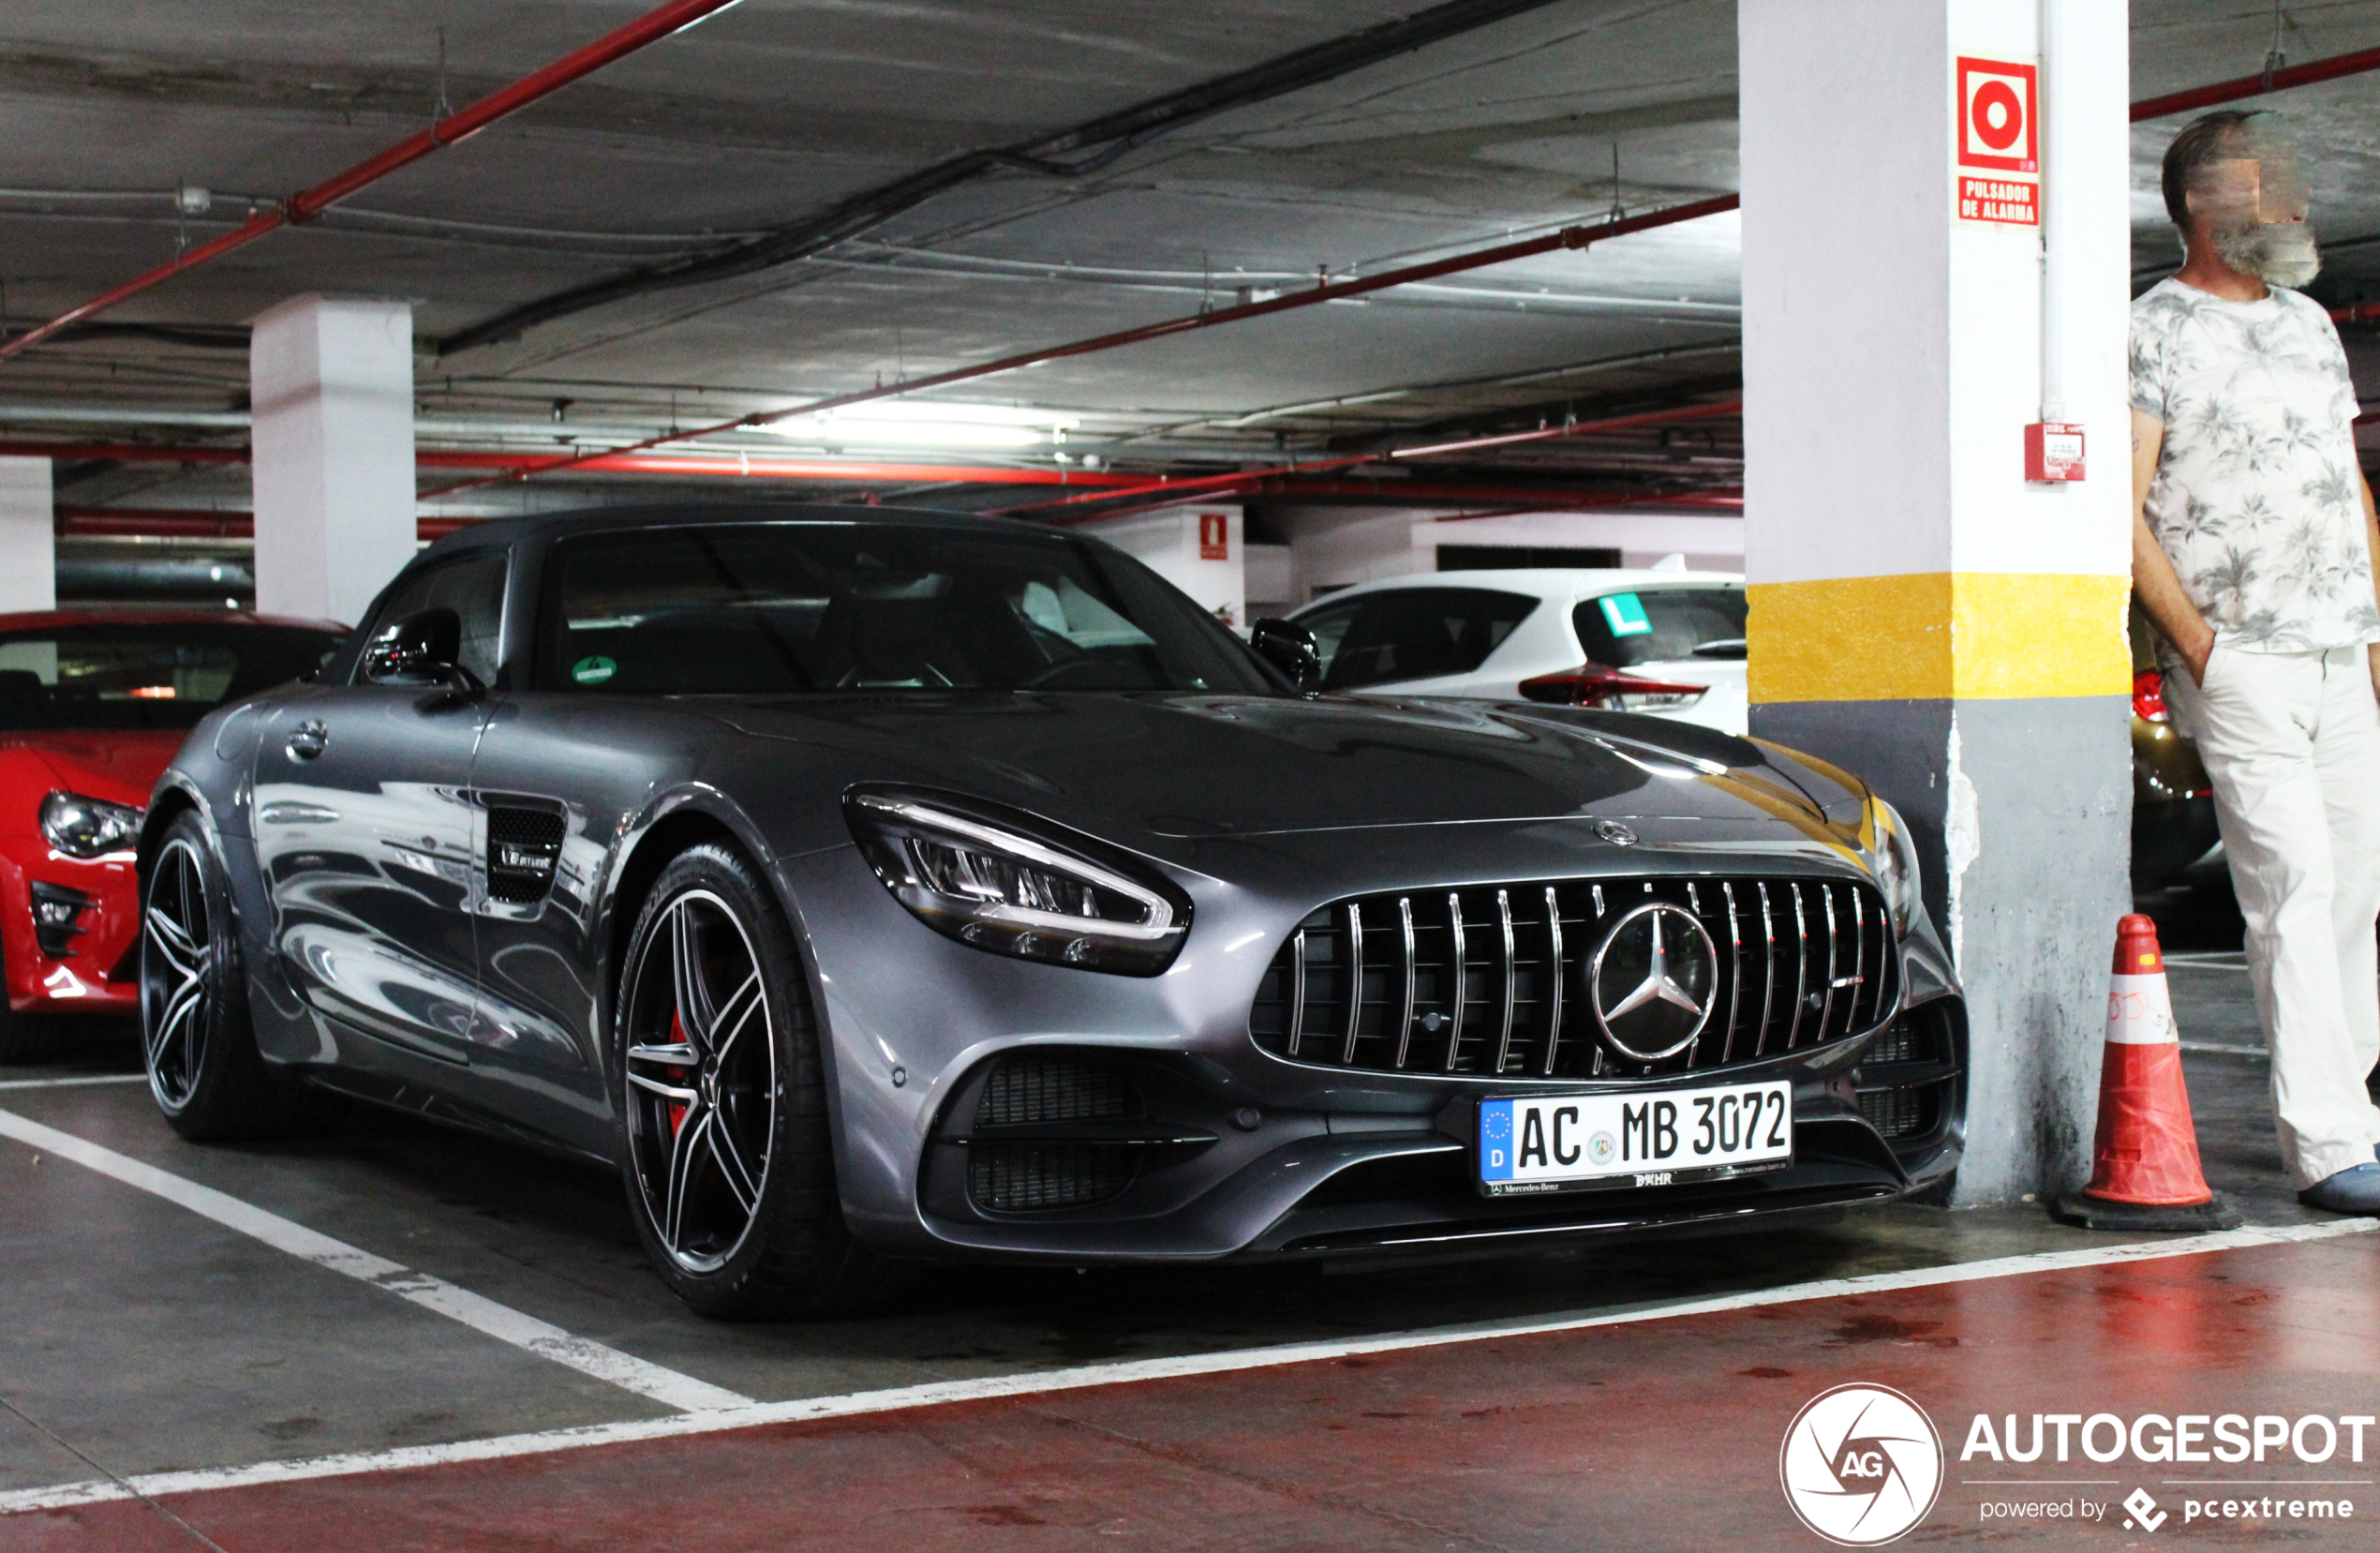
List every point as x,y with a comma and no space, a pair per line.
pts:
1666,641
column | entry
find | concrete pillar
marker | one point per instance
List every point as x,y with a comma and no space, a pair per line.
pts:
1920,615
28,537
332,390
1202,550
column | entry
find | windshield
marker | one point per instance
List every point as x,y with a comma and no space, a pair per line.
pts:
145,675
766,609
1661,626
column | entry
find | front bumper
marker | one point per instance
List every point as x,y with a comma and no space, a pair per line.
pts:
1232,1152
88,964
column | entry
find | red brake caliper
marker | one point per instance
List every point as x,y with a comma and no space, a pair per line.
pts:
677,1037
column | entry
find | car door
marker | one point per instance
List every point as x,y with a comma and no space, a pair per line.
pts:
368,834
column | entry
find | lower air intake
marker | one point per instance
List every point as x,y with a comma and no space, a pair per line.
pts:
1011,1179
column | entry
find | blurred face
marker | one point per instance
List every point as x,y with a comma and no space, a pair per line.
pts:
2252,211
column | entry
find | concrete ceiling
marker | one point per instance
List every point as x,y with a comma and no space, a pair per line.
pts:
778,108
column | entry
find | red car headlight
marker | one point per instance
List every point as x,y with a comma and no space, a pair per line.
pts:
81,827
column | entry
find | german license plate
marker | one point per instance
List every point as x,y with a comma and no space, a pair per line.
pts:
1664,1138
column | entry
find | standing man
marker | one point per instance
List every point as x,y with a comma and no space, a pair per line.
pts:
2252,553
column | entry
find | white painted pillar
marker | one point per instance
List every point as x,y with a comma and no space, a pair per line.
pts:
1920,614
330,384
28,538
1202,550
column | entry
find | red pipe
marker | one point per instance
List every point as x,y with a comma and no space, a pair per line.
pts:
759,466
310,203
1569,237
1165,493
188,523
769,467
2256,85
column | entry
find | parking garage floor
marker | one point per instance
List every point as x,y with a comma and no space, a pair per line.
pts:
429,1340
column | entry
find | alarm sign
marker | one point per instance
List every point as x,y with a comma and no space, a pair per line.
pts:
1999,122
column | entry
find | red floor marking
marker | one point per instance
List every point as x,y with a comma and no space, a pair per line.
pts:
1656,1436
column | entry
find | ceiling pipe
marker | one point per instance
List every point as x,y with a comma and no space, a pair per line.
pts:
1056,154
758,466
1504,253
1569,237
310,203
1165,493
2257,85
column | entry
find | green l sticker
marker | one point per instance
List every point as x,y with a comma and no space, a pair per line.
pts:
593,671
1625,612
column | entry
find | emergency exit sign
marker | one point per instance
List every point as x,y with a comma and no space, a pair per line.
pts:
1996,143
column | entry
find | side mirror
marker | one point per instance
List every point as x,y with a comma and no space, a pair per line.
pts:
421,650
1289,648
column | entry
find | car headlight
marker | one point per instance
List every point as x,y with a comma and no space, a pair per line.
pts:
84,827
988,883
1895,854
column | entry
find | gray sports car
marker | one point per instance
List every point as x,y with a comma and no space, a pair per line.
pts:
871,888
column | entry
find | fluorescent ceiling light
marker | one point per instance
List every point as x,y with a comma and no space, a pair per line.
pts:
927,425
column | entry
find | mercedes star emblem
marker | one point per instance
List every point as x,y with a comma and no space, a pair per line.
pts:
1650,981
1615,833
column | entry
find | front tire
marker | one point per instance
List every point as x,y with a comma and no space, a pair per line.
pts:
726,1153
198,1044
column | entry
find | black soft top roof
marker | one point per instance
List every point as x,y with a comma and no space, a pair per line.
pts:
512,530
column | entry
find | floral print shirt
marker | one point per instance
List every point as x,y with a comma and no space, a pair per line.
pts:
2256,498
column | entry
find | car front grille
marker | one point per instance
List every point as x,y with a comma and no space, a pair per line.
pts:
1372,983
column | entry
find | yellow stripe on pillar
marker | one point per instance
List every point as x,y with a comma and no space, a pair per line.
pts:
1939,635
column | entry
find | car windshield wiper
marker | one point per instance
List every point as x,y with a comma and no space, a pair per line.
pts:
1725,647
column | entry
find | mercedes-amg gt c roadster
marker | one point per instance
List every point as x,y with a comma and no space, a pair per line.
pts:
874,888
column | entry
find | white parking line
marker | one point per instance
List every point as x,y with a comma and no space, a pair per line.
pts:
481,1314
2215,960
941,1393
2225,1049
76,1080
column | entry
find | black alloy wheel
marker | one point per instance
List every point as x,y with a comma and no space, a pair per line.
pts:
198,1044
177,940
702,1080
726,1154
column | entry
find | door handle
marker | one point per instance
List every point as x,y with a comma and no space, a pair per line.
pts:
310,739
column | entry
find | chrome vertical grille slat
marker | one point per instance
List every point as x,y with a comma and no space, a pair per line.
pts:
1296,1023
1404,1015
1504,1028
1455,993
1554,973
1768,973
1312,1004
1859,959
1827,896
1355,980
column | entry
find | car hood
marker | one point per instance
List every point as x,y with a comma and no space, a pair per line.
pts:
118,764
1195,766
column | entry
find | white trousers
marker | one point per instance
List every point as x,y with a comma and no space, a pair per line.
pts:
2292,743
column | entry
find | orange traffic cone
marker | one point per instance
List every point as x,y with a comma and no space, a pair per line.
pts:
2145,1173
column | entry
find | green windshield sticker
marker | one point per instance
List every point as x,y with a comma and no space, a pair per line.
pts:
1626,614
593,671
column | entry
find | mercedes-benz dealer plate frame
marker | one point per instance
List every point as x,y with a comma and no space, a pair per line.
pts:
1613,1141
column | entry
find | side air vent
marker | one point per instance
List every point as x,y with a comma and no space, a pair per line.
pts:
1910,1074
523,847
1021,1158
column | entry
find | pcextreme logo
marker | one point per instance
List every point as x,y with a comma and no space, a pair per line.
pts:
1860,1465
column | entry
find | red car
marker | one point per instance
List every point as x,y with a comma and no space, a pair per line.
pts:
91,707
